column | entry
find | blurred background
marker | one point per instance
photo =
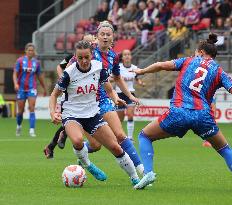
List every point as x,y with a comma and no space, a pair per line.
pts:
154,30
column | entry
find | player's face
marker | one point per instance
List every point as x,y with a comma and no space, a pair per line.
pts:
105,37
126,56
30,52
84,57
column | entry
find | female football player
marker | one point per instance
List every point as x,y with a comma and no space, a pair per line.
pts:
199,78
80,110
125,67
27,68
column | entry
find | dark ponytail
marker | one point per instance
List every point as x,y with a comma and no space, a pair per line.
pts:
209,46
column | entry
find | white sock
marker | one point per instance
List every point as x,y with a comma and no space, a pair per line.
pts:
140,169
128,166
82,155
19,126
130,129
32,130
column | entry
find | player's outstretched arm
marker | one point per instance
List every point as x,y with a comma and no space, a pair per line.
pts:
156,67
123,87
55,117
113,95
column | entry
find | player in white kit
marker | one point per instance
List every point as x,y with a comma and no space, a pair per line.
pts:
80,110
130,78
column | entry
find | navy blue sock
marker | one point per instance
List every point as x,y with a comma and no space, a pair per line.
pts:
90,150
32,120
226,153
146,152
19,119
129,148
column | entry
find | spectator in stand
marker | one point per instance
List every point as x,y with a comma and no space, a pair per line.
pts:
158,26
171,26
188,5
102,12
223,8
92,27
139,17
115,15
178,12
148,18
164,13
178,31
192,15
129,16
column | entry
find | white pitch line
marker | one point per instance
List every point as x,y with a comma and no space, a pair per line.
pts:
23,140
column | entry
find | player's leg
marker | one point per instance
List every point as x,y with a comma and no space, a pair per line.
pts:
19,117
21,100
220,144
209,130
130,121
121,115
92,144
106,137
169,124
49,149
74,131
149,134
31,103
114,123
62,139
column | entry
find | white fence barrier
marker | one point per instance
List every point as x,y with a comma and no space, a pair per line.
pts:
149,110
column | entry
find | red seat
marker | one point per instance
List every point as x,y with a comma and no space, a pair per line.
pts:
123,44
203,24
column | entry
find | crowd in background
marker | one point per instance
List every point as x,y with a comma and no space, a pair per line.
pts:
175,17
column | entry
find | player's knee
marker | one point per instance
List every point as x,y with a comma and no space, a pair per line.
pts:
95,146
120,135
116,149
78,144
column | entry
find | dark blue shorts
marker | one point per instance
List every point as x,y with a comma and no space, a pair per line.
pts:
90,125
23,95
177,121
128,101
106,105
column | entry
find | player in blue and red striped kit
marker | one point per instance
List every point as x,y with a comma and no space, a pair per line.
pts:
27,68
199,77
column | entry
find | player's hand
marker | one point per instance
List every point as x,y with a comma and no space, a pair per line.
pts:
135,100
120,102
16,87
137,71
56,117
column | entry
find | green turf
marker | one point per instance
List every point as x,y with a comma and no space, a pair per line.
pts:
187,172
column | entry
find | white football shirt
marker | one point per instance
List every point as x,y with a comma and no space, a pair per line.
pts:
129,77
80,90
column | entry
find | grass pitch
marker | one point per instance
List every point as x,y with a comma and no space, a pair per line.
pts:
187,172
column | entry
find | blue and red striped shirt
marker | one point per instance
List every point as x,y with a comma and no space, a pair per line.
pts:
26,72
110,61
197,82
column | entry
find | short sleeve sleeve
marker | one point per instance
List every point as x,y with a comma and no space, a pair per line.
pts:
63,82
17,66
103,76
179,63
226,81
116,67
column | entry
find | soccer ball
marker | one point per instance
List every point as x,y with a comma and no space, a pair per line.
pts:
74,176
